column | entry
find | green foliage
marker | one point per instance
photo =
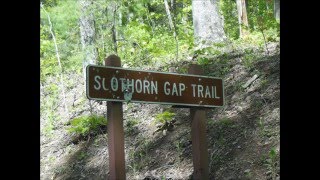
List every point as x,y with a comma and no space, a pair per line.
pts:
64,18
140,156
271,162
249,58
272,34
272,155
207,51
87,124
82,155
60,169
146,36
49,3
213,57
260,15
47,108
143,34
256,39
164,117
48,61
264,83
228,9
226,122
48,128
261,126
260,18
223,123
178,145
96,142
131,122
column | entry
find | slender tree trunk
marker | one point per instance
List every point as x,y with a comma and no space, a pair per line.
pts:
277,9
207,23
59,62
242,17
172,27
150,22
114,31
120,18
169,15
87,32
184,19
172,4
173,8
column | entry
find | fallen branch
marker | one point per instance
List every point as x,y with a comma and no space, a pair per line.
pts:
250,81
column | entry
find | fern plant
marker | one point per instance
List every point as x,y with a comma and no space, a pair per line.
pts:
164,117
167,121
87,124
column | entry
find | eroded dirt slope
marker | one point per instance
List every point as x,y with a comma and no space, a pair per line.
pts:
243,136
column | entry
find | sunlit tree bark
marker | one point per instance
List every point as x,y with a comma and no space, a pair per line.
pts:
242,17
87,32
277,9
207,22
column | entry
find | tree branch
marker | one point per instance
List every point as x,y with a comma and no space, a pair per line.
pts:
172,27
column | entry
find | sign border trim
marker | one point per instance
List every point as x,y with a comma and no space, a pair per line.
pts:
150,102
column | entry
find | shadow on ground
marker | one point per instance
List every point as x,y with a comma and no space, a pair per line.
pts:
240,135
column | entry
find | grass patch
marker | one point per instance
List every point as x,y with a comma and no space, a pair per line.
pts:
271,162
130,126
226,122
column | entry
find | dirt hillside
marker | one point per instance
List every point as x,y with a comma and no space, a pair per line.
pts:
243,136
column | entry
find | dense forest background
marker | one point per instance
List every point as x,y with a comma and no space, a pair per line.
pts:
237,40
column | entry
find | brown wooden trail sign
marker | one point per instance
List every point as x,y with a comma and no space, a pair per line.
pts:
118,84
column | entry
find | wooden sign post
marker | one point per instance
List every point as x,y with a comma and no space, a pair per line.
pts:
116,85
198,136
115,132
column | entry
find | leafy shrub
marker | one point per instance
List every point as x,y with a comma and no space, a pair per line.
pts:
167,121
228,9
87,124
164,117
226,122
249,58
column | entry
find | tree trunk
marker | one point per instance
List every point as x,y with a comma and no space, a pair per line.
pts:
207,23
172,27
168,14
277,9
184,19
173,8
242,17
87,32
